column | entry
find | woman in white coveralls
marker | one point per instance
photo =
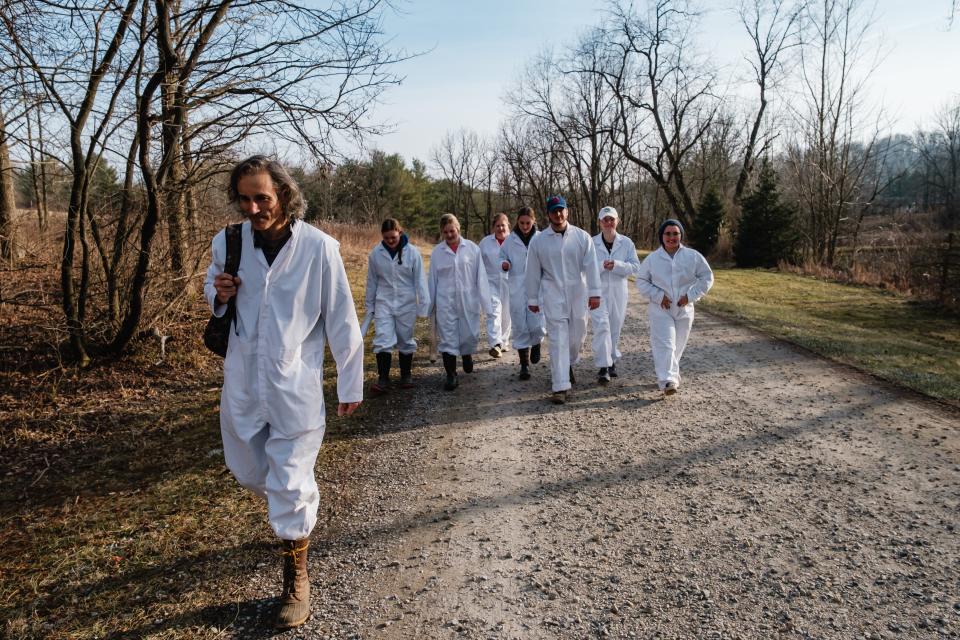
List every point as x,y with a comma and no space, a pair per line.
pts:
617,258
498,322
672,279
396,294
527,327
458,293
292,298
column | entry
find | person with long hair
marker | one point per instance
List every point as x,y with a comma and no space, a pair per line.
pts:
498,323
291,297
672,279
396,294
458,293
526,326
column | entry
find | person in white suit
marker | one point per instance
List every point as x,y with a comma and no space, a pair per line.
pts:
458,293
292,298
396,294
672,279
498,323
527,329
617,259
562,272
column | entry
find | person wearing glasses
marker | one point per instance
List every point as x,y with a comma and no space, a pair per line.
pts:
672,279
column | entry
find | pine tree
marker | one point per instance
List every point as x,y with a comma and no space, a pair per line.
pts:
706,227
767,231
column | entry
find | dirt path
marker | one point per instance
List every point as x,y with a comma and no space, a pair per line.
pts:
778,495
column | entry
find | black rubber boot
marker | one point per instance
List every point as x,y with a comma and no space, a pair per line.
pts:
468,364
384,359
612,370
406,370
603,376
450,366
535,353
524,362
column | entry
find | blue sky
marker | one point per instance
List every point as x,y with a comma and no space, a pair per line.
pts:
477,49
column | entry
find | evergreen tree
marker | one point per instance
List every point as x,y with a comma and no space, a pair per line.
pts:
706,227
767,232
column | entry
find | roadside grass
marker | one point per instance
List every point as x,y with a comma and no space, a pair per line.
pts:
118,517
876,331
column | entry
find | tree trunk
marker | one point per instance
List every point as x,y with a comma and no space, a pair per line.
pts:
8,205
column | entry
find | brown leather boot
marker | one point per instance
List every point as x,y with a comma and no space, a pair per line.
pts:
295,600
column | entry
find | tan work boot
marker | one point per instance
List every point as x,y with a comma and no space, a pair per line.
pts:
295,600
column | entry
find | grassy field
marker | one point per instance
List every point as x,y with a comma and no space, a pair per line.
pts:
878,332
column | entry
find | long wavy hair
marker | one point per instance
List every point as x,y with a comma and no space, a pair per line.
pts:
288,192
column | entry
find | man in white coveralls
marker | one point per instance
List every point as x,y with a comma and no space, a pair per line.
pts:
562,271
292,297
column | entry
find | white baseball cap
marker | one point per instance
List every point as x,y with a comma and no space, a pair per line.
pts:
608,212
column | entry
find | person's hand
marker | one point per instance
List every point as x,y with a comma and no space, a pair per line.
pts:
226,286
593,302
533,308
608,265
666,302
682,302
347,408
505,265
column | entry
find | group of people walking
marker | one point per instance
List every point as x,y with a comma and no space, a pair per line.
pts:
291,297
530,283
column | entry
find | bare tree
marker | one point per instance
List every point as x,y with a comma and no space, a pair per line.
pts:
570,96
774,28
459,158
837,132
8,205
172,90
664,93
939,151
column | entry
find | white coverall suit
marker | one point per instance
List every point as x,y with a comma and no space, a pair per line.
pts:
613,296
271,406
686,273
562,272
498,322
527,327
396,294
458,293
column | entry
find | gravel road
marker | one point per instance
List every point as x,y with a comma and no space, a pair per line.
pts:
777,495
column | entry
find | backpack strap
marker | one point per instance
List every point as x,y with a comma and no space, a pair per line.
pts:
234,248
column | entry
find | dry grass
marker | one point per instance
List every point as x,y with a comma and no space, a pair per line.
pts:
117,515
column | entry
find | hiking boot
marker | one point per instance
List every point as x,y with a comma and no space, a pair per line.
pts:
496,351
612,370
295,599
603,376
559,397
670,388
468,364
535,353
406,371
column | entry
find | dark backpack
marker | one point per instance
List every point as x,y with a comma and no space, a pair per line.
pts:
217,334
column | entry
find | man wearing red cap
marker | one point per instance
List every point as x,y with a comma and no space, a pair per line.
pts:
562,271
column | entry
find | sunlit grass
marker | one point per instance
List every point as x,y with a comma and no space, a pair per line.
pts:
881,333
